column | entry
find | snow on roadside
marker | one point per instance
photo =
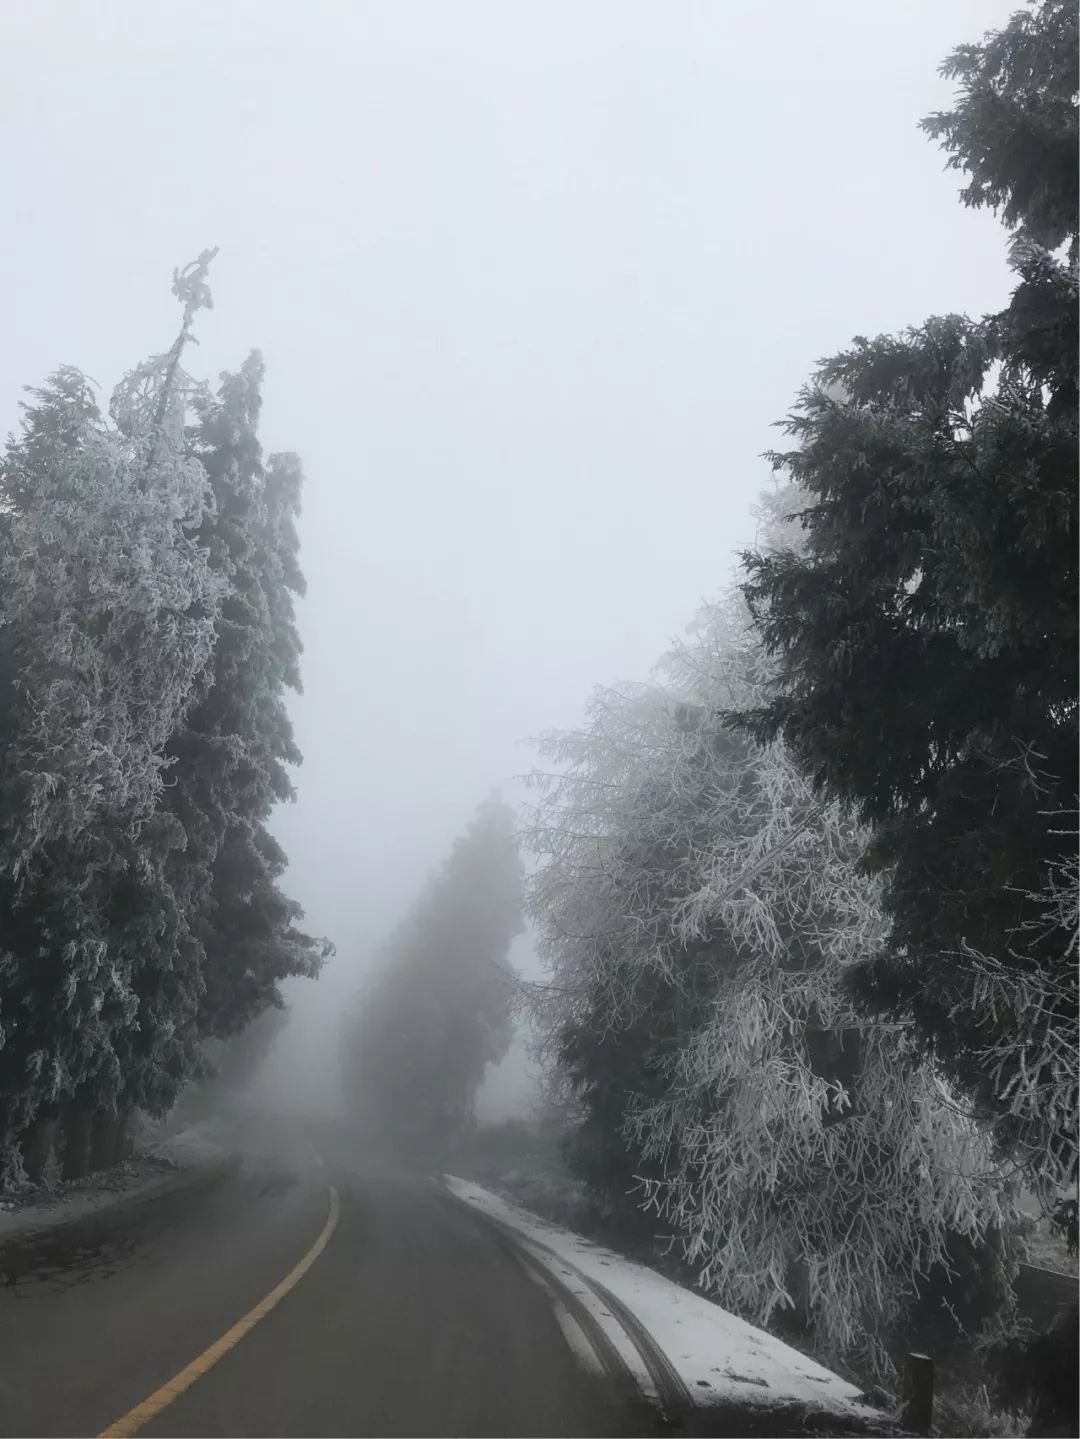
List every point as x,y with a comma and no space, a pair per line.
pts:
719,1357
199,1144
35,1210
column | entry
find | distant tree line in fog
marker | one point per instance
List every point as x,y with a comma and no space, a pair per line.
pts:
438,1008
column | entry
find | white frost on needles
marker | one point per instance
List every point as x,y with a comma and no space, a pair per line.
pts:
719,1357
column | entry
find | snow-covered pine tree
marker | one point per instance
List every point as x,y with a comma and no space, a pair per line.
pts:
107,613
926,634
698,909
229,758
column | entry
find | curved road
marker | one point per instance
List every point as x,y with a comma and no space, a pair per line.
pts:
414,1319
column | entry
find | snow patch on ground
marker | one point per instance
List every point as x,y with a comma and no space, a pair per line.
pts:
719,1357
200,1144
157,1166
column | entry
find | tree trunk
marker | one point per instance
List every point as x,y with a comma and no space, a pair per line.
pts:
125,1134
77,1126
36,1142
104,1139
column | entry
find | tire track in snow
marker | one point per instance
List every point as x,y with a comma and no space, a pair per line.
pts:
624,1348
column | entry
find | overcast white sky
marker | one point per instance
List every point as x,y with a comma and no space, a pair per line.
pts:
531,279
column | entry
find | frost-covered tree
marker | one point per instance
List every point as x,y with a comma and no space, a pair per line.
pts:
147,639
926,633
439,1010
107,618
229,759
698,908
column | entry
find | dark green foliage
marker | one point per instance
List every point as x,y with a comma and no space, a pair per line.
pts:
1039,1374
1063,1224
229,759
439,1011
1014,127
608,1066
927,637
968,1294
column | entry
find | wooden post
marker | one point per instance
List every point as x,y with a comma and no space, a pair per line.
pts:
917,1407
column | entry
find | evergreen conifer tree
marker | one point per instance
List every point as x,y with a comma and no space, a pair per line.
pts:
439,1012
108,614
926,633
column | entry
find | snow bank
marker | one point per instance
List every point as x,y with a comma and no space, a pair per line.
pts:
200,1144
719,1357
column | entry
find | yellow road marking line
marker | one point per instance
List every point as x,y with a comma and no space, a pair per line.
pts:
135,1418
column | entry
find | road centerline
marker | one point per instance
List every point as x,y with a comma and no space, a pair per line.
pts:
131,1422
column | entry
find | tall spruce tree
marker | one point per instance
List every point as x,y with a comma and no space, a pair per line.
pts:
698,911
229,758
438,1013
107,615
926,635
147,637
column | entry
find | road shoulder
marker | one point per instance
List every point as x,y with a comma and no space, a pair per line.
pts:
175,1162
700,1357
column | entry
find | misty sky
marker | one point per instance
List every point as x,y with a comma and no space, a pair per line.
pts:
531,280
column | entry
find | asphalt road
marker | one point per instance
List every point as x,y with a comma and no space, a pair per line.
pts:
414,1319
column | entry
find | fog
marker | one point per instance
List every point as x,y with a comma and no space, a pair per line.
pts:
532,282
